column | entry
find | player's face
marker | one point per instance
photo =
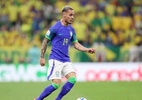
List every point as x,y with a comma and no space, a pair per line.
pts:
69,16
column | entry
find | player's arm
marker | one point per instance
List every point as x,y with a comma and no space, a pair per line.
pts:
44,47
80,47
43,50
48,36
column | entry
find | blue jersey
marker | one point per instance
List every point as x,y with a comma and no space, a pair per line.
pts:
60,37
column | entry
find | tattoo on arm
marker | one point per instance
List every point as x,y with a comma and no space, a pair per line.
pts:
44,46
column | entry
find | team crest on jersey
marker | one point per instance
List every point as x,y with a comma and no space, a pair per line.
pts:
48,33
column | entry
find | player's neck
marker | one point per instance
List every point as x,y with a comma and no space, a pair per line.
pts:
63,22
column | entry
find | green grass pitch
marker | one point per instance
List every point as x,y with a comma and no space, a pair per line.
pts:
89,90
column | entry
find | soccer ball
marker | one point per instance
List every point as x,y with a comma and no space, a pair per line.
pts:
81,98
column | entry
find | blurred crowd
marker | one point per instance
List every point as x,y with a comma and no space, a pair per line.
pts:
113,27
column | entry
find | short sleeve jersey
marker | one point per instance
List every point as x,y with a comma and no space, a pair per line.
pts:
61,37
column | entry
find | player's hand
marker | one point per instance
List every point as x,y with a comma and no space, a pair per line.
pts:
42,61
91,50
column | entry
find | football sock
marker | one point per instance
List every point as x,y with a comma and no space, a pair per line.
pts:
47,91
66,88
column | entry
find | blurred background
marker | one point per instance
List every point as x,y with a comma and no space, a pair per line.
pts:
113,27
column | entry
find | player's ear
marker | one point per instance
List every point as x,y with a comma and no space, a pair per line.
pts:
63,14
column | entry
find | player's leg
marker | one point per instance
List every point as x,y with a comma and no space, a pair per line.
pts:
71,77
49,89
54,74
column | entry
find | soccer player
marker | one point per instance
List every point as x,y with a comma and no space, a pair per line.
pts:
61,34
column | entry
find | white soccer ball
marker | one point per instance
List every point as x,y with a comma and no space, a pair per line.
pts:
81,98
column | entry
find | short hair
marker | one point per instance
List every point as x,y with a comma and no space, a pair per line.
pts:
66,8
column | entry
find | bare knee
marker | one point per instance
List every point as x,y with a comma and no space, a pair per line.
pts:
56,83
71,74
71,77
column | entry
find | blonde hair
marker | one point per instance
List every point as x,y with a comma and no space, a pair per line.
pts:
66,8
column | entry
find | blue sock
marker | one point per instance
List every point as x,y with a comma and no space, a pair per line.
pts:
65,89
47,91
